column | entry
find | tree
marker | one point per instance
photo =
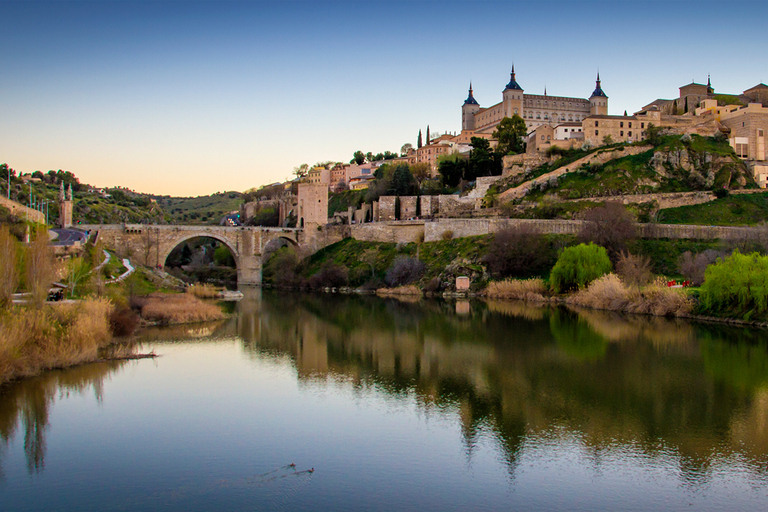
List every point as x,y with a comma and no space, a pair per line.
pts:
9,270
301,171
610,226
419,143
358,158
402,183
147,242
39,267
578,266
421,171
483,160
511,133
406,148
77,270
451,169
518,251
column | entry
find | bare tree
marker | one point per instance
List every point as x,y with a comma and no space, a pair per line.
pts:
147,244
610,226
9,269
40,268
77,271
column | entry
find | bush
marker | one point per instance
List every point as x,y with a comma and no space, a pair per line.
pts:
447,235
404,270
518,251
578,266
634,270
523,289
122,321
610,226
721,193
330,275
608,292
737,286
693,266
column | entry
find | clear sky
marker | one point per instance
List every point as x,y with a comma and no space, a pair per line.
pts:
191,98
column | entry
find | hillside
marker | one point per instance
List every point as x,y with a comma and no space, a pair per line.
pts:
198,210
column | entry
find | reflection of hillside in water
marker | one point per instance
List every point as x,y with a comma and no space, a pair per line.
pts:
648,382
26,404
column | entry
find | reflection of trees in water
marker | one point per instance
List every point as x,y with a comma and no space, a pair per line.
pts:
26,404
640,381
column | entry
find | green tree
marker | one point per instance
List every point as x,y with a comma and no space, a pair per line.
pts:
403,183
406,148
511,133
578,266
483,161
77,270
358,158
451,169
419,143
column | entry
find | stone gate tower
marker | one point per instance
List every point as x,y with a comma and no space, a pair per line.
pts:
513,97
468,111
65,207
598,102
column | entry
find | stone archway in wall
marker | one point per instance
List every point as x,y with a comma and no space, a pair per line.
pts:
275,244
176,243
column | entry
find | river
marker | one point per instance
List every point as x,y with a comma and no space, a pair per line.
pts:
324,402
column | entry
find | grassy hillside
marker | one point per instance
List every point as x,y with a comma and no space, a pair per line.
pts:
199,210
732,210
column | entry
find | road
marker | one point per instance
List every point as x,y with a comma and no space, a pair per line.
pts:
69,236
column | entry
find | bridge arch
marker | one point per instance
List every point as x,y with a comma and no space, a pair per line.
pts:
275,244
185,237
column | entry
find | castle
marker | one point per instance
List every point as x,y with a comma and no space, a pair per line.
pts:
535,109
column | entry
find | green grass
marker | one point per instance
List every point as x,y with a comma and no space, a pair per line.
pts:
339,202
206,210
733,210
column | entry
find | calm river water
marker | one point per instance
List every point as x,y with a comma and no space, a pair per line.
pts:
319,402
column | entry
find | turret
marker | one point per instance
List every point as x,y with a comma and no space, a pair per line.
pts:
513,96
62,196
468,111
65,206
599,100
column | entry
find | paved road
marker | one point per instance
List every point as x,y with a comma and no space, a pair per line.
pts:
69,236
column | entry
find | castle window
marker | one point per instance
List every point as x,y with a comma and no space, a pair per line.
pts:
542,137
621,124
630,124
630,134
621,133
596,133
595,125
642,125
548,137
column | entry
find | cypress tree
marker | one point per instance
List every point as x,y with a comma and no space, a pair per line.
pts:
418,144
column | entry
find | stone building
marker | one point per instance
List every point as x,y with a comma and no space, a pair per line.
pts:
535,109
312,205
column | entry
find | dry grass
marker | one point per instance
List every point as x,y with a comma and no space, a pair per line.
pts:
522,289
410,289
609,292
178,308
32,340
203,291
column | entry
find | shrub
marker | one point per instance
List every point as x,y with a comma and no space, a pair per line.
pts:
518,251
9,271
176,308
608,292
693,266
633,269
737,286
122,321
404,270
578,266
203,291
721,193
610,226
447,235
524,289
433,285
330,275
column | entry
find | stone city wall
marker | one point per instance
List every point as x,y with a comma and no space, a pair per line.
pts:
408,206
19,210
389,232
451,205
387,208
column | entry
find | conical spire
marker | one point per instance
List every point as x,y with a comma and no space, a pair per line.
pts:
470,99
598,90
62,197
69,193
710,90
512,82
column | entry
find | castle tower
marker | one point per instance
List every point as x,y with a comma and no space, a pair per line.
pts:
468,111
598,101
513,97
65,207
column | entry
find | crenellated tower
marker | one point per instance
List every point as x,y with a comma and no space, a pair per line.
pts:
599,100
65,207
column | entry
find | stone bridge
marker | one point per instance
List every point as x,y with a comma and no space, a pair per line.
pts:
150,245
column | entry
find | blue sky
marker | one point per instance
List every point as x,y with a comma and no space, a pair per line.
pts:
189,98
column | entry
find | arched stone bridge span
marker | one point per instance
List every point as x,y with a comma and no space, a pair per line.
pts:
150,244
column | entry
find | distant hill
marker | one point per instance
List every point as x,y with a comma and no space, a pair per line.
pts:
198,210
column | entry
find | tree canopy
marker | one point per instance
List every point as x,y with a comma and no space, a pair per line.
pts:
511,134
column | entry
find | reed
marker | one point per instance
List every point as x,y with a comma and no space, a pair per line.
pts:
523,289
33,340
203,291
177,308
609,292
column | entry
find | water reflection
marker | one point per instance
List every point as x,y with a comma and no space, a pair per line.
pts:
25,405
655,384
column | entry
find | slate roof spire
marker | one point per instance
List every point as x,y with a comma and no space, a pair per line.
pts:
512,82
470,99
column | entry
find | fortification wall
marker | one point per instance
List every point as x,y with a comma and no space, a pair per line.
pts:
390,232
24,212
387,208
408,205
